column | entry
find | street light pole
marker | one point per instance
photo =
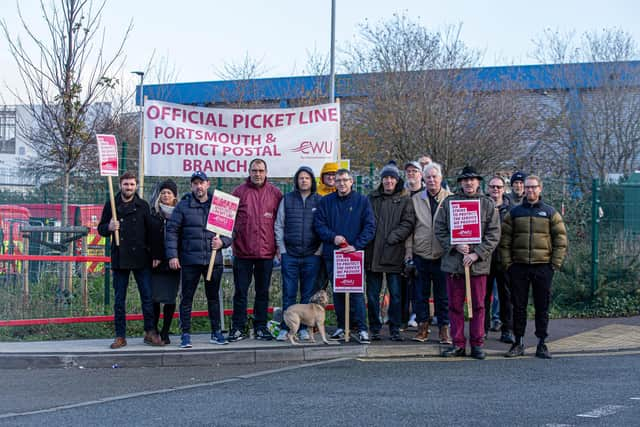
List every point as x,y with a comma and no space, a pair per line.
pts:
140,135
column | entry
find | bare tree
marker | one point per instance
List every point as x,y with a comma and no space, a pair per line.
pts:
593,123
64,80
422,99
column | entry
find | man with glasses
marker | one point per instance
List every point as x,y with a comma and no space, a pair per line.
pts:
533,246
498,277
344,221
254,247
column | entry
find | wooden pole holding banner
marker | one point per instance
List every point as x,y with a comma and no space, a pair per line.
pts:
467,284
347,328
212,260
114,214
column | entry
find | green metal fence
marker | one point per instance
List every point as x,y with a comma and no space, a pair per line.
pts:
603,260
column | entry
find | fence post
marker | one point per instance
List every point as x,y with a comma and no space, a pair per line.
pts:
595,233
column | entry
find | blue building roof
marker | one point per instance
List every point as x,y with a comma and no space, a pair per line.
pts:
519,77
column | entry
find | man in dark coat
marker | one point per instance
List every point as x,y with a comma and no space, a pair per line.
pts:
133,255
394,216
188,245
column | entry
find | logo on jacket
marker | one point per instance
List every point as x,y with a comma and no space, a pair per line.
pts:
268,215
542,213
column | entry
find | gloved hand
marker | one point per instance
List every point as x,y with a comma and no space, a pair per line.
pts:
409,269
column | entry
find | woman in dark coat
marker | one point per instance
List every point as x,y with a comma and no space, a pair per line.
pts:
164,281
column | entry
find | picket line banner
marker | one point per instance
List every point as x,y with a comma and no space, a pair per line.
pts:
181,139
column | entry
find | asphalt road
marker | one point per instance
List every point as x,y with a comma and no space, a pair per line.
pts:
594,390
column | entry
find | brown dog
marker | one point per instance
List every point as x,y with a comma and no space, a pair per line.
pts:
311,314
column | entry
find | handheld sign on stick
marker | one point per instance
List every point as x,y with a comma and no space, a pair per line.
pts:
466,230
108,157
222,217
348,277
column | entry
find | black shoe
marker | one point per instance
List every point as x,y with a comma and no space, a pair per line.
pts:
263,334
165,338
478,353
543,352
507,338
395,336
515,350
235,335
454,352
375,336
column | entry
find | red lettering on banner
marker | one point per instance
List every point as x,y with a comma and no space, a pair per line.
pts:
213,166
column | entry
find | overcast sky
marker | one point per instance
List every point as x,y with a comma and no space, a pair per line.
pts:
197,36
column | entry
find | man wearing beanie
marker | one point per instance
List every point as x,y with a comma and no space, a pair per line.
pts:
297,244
517,189
384,256
164,280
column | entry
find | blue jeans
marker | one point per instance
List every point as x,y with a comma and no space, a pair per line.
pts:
298,270
357,311
243,269
429,272
120,285
374,287
190,278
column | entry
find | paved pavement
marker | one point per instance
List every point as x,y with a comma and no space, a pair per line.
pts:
567,336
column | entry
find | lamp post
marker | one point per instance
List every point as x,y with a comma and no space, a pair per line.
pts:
140,134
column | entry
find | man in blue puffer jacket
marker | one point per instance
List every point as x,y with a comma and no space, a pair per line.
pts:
188,246
345,221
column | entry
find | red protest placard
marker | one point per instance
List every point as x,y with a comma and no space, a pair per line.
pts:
348,272
465,222
222,214
108,155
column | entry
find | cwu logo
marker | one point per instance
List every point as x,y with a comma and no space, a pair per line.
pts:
314,147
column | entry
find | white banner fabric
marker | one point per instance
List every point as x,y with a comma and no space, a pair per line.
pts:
182,139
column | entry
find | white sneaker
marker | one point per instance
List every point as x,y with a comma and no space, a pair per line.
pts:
412,322
303,335
363,337
283,335
337,335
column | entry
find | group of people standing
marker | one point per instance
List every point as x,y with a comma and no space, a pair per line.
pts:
403,225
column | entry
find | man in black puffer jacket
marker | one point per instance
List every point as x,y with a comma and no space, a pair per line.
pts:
188,245
533,246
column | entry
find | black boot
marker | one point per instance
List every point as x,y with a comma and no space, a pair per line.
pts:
542,351
168,311
517,349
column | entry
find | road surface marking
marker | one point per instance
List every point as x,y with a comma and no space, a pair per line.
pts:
602,411
168,390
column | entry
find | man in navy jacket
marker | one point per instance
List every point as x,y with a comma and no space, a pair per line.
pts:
345,222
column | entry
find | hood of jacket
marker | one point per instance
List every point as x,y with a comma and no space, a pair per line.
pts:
308,170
